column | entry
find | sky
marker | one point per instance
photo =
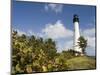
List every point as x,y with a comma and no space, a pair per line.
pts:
49,20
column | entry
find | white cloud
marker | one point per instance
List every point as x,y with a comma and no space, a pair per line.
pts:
63,36
69,44
64,44
20,32
28,33
54,7
57,31
91,51
91,41
89,34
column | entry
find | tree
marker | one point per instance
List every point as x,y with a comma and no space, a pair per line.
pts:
82,42
50,48
35,54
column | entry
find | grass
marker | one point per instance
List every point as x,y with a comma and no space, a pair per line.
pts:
81,62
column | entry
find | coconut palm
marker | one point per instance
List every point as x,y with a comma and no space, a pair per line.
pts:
82,42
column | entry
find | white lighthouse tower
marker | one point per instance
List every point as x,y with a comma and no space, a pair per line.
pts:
76,34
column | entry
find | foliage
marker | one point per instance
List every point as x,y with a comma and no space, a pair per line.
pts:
82,43
32,54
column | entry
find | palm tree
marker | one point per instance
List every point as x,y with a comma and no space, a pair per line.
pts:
82,42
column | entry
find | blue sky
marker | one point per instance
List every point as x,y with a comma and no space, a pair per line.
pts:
54,21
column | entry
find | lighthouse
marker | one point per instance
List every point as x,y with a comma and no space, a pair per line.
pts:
76,33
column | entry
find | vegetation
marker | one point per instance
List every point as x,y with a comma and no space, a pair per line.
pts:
82,44
81,62
32,54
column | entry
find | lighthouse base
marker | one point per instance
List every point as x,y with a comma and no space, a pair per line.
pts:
79,54
78,51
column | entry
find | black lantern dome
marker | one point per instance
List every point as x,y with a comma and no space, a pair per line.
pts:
75,18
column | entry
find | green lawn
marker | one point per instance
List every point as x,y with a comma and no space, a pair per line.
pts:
82,62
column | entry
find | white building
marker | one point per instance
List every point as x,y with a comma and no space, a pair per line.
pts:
76,34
